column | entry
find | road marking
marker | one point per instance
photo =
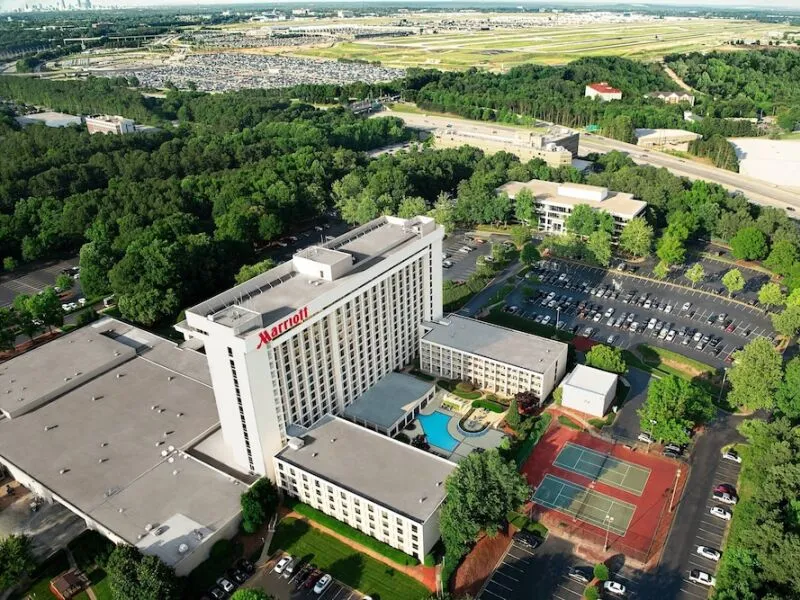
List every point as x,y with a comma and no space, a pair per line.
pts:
511,567
562,587
488,591
495,582
693,594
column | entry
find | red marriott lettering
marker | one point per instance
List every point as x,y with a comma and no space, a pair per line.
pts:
267,335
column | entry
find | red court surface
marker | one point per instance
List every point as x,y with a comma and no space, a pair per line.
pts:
651,520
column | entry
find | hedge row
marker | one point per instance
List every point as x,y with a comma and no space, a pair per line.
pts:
488,405
351,533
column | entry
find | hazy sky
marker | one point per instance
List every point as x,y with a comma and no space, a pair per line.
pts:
777,4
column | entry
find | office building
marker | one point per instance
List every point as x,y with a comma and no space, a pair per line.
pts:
556,148
308,337
556,201
589,390
120,427
385,488
672,97
603,91
496,359
108,124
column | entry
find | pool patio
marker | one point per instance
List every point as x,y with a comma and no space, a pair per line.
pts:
465,442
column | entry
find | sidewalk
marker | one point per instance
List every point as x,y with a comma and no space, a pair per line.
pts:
425,575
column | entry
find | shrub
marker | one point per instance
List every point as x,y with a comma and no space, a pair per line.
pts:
558,395
534,427
567,422
591,593
430,560
345,530
402,437
601,572
258,504
464,386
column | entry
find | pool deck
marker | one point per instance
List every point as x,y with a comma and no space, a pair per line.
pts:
491,438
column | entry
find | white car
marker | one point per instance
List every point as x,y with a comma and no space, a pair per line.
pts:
546,320
609,312
668,309
686,306
646,438
648,303
702,578
465,249
597,317
721,513
562,277
447,264
225,585
445,256
709,553
281,565
725,497
697,337
732,455
671,335
322,584
611,339
614,587
651,323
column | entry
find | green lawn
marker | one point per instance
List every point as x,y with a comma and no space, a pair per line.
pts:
345,564
52,567
567,422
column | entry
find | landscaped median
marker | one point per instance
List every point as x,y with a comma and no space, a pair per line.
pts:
349,566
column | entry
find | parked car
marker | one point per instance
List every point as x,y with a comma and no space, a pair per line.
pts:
614,587
732,455
709,553
245,566
281,564
236,575
528,539
727,488
702,578
312,579
686,306
721,513
611,339
646,438
217,593
582,574
322,584
227,585
725,497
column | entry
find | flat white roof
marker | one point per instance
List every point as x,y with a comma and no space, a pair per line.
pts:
516,348
617,203
591,379
396,475
113,447
389,400
667,135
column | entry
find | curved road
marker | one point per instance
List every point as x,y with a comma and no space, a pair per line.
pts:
756,191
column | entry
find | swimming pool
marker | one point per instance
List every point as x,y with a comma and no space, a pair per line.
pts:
435,428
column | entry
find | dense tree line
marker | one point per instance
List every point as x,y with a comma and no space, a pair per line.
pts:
718,150
742,83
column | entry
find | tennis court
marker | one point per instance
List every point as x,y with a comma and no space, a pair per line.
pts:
584,504
603,467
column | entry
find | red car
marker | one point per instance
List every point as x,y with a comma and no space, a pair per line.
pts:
726,488
312,579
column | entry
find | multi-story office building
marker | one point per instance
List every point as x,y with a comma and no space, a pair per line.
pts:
308,337
503,361
108,124
385,488
556,201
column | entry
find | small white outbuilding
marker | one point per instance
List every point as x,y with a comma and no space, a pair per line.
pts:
589,390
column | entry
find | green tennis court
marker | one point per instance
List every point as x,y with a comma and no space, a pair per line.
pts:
603,467
584,504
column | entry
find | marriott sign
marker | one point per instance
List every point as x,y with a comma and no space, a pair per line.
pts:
265,336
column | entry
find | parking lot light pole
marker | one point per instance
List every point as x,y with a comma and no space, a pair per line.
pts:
608,520
674,489
722,387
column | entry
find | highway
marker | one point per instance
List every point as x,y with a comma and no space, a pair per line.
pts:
757,192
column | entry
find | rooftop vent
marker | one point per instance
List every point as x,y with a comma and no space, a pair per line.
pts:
315,454
49,427
421,500
170,377
175,472
183,549
171,448
333,440
63,471
148,527
101,460
103,444
164,453
154,407
179,415
159,443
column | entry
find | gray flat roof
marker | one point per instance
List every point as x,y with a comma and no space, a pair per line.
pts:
590,379
283,289
389,400
108,439
63,362
504,345
374,466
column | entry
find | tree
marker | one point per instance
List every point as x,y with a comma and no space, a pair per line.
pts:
607,358
601,572
250,594
581,221
8,327
621,128
782,256
530,254
671,250
733,281
599,244
749,244
636,237
247,272
259,503
45,308
755,375
695,273
661,270
26,321
96,260
9,263
16,560
674,405
591,592
133,576
64,282
525,208
412,207
787,397
788,321
771,294
443,212
512,415
480,493
520,235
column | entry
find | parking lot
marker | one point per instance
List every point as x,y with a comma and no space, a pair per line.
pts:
294,587
623,310
35,281
709,532
463,263
544,573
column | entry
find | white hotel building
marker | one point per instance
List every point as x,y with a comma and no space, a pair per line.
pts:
309,336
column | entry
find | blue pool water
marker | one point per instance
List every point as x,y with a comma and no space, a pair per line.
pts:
435,428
